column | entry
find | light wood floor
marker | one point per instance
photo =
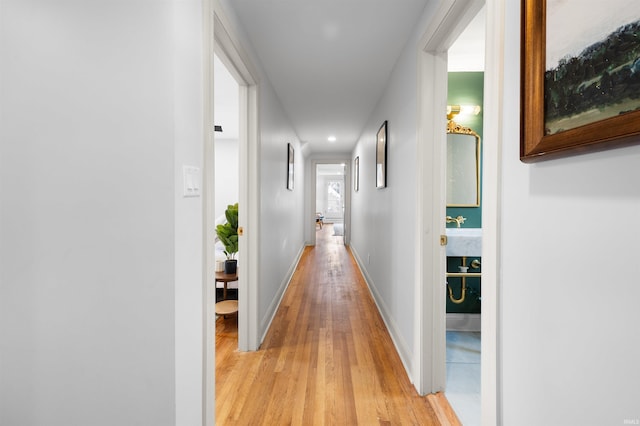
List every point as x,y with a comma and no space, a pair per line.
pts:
326,360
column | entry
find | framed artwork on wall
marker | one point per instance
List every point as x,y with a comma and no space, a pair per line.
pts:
381,156
356,174
580,77
290,154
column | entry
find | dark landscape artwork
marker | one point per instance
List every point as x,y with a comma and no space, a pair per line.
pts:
599,79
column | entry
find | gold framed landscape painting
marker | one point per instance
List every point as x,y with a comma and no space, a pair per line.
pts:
580,77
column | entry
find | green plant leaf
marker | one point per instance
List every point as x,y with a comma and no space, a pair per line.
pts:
228,232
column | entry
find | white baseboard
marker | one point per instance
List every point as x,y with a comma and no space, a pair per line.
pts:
275,303
394,331
463,322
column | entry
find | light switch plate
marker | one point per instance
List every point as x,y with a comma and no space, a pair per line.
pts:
191,178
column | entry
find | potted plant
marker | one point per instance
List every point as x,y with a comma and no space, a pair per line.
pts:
228,234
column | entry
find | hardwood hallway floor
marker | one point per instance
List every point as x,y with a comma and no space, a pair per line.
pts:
326,360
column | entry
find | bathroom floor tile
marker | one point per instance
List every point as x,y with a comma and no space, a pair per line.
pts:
463,346
463,378
463,375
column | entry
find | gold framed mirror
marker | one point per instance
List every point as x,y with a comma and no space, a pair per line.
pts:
463,166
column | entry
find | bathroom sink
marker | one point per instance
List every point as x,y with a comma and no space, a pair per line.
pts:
464,242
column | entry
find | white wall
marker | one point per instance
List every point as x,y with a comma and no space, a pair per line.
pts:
87,225
188,139
100,256
227,174
569,304
281,210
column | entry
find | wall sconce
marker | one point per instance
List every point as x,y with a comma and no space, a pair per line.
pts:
453,110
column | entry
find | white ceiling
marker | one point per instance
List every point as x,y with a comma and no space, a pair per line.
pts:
328,60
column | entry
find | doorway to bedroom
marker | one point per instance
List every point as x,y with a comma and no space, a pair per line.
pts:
227,193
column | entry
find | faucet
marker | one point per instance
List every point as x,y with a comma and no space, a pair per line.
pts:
458,220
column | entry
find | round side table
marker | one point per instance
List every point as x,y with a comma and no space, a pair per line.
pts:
226,307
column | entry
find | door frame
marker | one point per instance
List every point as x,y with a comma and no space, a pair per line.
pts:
347,197
219,38
448,21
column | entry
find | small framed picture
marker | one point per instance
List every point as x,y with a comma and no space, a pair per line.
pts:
356,174
290,154
381,156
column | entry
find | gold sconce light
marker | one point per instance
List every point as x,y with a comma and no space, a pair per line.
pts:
453,110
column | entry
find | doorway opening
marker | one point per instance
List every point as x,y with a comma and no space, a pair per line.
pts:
465,65
330,199
227,176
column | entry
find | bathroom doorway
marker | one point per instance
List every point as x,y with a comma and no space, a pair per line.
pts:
465,105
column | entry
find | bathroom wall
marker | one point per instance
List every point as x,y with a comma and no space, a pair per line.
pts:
466,88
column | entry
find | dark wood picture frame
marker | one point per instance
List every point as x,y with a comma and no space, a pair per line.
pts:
535,143
381,156
290,168
356,174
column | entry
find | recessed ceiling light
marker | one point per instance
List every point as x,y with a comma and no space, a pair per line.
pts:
331,139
